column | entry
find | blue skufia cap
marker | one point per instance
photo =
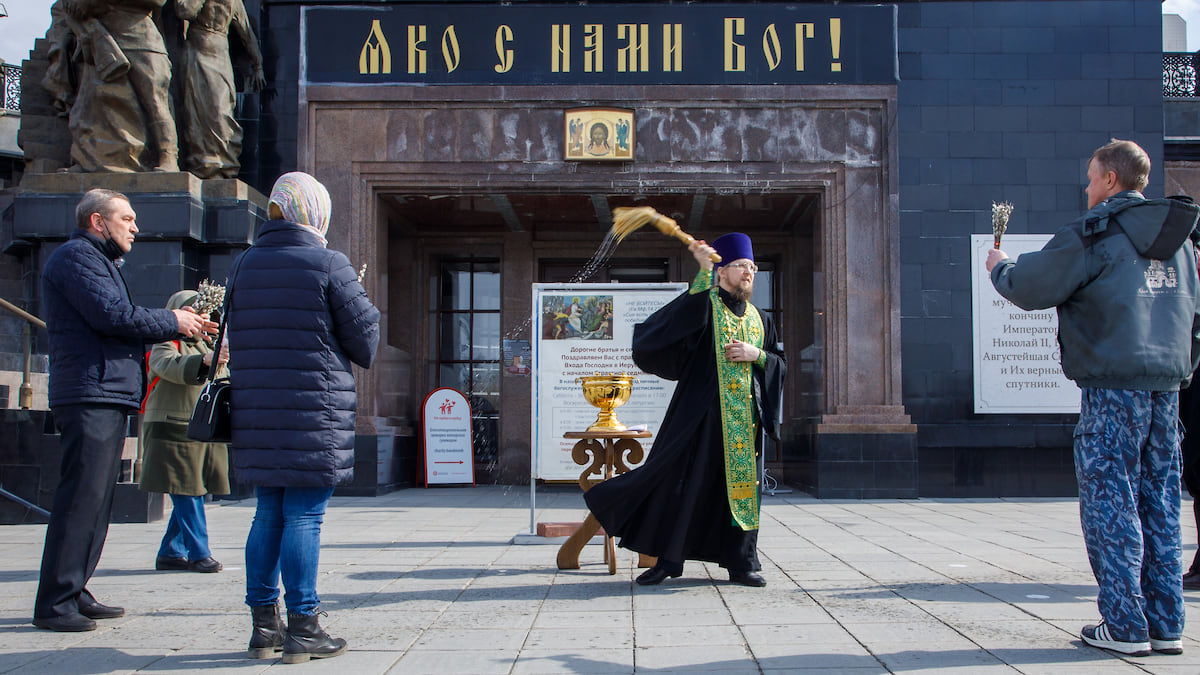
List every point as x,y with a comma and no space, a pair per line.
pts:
732,246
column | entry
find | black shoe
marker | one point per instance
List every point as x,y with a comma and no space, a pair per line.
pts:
67,623
162,563
96,610
208,565
268,633
747,579
1191,581
655,576
306,639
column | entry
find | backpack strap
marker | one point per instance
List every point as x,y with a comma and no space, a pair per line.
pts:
153,380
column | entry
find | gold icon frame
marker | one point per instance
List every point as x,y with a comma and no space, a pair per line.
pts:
598,134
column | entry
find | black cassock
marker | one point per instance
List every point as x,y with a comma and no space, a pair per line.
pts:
675,506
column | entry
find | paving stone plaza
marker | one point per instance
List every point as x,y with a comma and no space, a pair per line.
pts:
439,581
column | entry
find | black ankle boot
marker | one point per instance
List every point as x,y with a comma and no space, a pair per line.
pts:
306,639
267,637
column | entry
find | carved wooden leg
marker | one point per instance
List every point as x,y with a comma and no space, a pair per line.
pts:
568,553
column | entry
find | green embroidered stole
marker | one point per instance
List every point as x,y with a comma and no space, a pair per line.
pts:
735,382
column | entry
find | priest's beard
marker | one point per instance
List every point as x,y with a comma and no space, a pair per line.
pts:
744,293
742,289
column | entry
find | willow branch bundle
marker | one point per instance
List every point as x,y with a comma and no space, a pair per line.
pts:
1000,214
209,297
627,219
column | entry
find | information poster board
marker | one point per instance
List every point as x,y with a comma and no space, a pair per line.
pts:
446,438
585,329
1017,366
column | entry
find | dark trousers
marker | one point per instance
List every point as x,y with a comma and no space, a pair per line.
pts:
92,437
1189,415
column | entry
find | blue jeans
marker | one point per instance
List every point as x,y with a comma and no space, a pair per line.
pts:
187,530
285,541
1127,463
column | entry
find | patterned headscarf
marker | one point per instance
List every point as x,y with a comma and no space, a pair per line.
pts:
302,199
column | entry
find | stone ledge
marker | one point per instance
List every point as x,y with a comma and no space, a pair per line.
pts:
861,426
867,419
131,183
234,190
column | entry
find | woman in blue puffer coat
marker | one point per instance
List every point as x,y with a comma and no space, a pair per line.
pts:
298,319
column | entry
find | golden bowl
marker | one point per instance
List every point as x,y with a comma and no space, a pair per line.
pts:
607,392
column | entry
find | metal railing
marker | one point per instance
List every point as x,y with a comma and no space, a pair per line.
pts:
25,393
12,86
1179,75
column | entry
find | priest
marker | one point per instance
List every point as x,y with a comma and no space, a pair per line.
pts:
697,495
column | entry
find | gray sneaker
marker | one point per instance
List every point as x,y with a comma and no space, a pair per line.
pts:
1171,647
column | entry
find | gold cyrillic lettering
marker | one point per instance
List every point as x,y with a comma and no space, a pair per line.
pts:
504,55
804,31
375,57
735,53
416,55
560,48
593,48
771,50
672,47
634,57
450,51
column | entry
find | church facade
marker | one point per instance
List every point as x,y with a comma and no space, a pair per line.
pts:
860,145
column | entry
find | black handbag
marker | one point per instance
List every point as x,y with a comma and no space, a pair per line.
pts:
210,421
210,418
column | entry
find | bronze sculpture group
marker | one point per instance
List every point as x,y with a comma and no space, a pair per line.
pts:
149,84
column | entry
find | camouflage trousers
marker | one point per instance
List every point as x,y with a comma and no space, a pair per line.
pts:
1127,463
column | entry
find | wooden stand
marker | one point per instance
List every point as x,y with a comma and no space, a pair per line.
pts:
609,451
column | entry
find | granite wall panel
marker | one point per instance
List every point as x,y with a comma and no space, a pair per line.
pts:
1049,83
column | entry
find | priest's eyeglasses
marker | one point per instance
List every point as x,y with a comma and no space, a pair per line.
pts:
745,267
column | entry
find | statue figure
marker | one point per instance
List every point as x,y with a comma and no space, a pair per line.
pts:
62,71
122,105
212,138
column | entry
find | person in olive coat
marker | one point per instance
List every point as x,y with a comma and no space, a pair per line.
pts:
174,464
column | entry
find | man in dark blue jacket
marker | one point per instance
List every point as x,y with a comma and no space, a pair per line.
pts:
1123,279
97,343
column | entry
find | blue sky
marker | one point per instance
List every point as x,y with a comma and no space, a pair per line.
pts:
1190,11
28,20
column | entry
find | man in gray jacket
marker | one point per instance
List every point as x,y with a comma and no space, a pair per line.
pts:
1123,279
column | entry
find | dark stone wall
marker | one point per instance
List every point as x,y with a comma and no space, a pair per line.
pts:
998,100
1003,101
269,118
29,466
